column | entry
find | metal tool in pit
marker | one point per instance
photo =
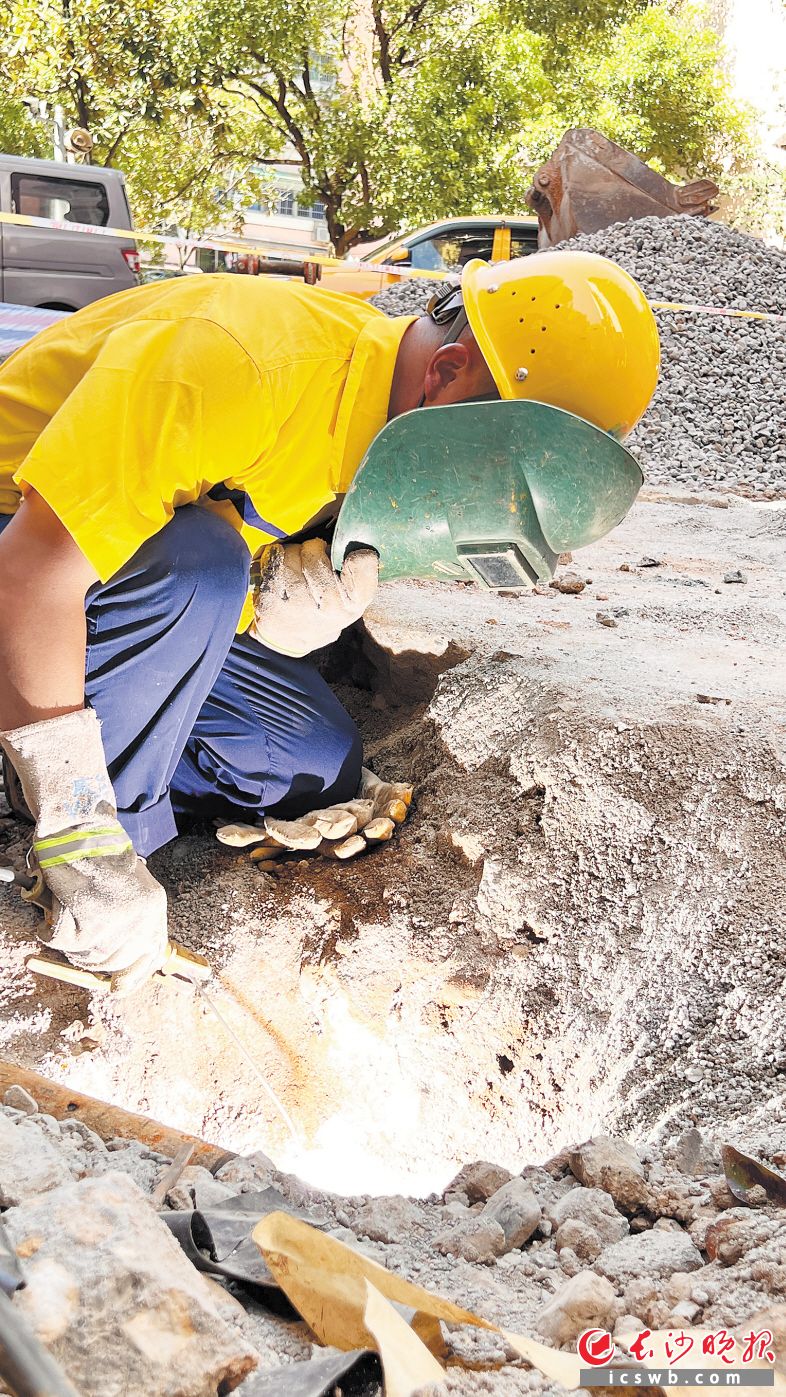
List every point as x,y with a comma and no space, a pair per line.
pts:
180,962
187,965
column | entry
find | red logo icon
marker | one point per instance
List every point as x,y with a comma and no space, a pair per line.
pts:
596,1347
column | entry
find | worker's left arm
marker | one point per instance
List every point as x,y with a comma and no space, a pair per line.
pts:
137,435
103,908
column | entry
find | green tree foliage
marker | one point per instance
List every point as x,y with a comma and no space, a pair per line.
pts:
127,71
757,200
19,132
394,111
441,107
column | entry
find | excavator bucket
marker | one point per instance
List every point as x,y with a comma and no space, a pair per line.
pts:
491,492
589,183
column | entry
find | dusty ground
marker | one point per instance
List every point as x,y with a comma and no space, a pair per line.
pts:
580,927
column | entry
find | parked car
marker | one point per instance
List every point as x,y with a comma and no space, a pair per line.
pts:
148,275
441,247
50,267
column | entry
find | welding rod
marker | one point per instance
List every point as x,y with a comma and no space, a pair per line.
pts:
10,875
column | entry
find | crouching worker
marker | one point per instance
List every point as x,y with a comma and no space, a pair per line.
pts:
150,446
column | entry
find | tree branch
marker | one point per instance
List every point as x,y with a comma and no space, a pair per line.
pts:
383,40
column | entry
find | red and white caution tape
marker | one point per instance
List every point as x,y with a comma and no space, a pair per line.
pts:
241,248
346,264
718,310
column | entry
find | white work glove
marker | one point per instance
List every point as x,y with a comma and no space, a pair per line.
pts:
301,604
339,832
104,910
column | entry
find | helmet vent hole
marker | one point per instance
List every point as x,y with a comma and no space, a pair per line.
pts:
521,320
534,298
543,329
532,351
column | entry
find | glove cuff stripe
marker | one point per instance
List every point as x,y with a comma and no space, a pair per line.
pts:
69,836
78,854
70,848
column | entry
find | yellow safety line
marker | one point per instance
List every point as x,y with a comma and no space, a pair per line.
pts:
346,264
351,264
70,836
717,310
109,851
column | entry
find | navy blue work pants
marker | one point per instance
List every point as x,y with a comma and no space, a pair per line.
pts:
196,720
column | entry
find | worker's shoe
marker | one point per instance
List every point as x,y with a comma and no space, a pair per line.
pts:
338,832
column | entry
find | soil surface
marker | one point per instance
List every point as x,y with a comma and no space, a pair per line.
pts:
579,930
580,926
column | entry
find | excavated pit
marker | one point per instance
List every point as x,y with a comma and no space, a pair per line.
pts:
579,928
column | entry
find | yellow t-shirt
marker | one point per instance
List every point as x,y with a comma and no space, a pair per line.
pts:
255,397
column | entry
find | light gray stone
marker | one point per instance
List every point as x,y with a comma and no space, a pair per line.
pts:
569,1262
30,1163
388,1219
196,1188
88,1139
686,1312
626,1324
253,1171
131,1157
480,1240
696,1156
584,1302
594,1207
612,1165
21,1100
580,1238
656,1254
116,1300
517,1211
478,1181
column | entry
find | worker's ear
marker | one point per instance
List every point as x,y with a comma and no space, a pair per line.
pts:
442,371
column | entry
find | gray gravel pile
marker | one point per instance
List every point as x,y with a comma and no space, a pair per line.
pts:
718,419
408,298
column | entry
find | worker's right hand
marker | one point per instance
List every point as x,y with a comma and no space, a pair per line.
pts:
301,604
104,909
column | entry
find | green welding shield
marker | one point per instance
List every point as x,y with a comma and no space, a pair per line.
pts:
493,491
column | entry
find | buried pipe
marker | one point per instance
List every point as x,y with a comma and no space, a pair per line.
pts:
107,1121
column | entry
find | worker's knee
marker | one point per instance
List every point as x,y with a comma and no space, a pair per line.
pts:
204,559
316,762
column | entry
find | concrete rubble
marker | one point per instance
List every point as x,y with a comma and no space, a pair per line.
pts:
104,1275
112,1296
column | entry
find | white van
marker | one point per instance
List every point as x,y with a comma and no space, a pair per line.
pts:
50,267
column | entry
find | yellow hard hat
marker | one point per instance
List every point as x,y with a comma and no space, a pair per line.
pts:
567,328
